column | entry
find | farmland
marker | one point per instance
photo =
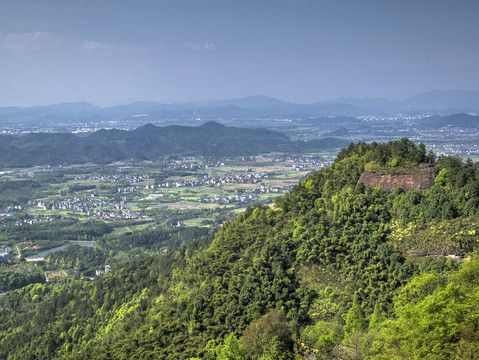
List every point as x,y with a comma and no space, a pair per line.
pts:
49,206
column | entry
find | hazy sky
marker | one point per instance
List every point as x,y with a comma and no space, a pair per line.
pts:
110,52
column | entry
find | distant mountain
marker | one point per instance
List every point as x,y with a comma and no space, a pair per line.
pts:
373,105
150,142
437,101
239,109
251,102
229,111
462,120
249,108
444,100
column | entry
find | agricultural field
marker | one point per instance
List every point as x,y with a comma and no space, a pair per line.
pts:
137,191
110,213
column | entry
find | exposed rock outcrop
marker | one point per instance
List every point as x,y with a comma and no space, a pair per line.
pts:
419,178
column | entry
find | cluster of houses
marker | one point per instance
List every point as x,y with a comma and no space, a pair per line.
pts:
97,272
92,206
9,211
79,204
247,178
130,189
4,215
5,255
114,178
272,189
121,214
191,163
12,208
101,271
314,161
302,163
298,167
231,199
469,149
33,221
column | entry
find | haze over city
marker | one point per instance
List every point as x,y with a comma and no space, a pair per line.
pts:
117,52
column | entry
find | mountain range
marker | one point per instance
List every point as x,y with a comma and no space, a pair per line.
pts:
150,142
434,102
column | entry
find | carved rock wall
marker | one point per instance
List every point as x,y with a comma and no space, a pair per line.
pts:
419,178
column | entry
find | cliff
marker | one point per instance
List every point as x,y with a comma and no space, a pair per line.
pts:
419,178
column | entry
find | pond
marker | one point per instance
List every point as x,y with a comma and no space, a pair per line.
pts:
59,248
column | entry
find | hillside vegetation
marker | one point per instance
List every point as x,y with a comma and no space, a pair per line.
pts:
325,273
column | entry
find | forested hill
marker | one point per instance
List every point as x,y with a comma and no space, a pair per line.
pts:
335,270
149,142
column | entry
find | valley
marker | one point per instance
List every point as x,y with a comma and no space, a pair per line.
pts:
334,268
219,246
239,180
132,197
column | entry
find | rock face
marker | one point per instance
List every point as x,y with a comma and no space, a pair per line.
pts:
419,178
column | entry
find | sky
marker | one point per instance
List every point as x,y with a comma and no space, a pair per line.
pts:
110,52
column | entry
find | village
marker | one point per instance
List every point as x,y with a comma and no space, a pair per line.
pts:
93,206
115,178
137,191
249,177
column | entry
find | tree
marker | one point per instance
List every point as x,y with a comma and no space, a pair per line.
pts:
268,334
376,317
354,320
230,349
276,350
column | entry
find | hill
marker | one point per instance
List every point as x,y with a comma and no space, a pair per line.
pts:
462,120
149,142
327,273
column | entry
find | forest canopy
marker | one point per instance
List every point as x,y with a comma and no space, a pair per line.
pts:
335,269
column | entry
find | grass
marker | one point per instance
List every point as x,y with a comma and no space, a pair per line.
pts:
195,222
120,230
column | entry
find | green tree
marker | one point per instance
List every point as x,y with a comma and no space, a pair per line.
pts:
276,350
376,317
322,336
354,320
230,349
